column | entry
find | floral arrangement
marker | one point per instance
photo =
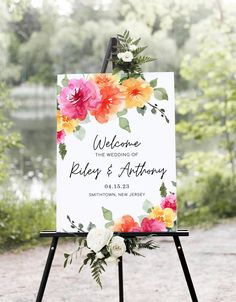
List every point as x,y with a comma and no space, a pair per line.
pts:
108,96
102,246
104,97
158,218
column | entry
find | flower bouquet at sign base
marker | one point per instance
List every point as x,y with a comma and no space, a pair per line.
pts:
102,247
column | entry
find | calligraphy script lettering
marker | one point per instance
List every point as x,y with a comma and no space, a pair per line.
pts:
77,169
114,143
139,170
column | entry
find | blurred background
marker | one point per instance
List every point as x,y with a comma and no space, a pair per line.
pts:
42,38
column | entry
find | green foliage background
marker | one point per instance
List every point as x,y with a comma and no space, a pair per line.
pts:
195,39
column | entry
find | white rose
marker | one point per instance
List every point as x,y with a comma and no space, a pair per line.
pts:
120,55
127,56
98,238
117,247
132,47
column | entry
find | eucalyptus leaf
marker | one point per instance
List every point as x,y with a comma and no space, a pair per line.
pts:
80,132
65,81
109,224
123,112
124,124
107,214
147,205
153,83
160,94
58,89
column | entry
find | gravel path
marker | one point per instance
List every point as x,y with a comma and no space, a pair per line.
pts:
211,255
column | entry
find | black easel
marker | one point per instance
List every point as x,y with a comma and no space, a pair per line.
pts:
56,235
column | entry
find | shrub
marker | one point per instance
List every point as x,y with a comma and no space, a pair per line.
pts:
21,222
210,198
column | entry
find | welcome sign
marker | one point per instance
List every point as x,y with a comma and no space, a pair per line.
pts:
116,152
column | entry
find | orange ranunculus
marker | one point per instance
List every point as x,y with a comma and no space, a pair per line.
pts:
65,123
167,216
125,224
103,79
112,99
137,92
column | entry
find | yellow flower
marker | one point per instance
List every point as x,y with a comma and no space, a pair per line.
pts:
65,123
167,216
137,92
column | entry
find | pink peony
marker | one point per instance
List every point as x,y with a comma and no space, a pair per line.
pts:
61,136
169,202
152,225
79,97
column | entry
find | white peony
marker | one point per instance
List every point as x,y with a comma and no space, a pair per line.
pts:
127,56
117,247
98,238
132,47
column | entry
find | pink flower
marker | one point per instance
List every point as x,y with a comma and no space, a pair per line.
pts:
61,136
79,97
169,202
152,225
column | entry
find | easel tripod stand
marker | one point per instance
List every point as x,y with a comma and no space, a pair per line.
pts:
56,235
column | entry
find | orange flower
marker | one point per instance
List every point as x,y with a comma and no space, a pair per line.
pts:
167,216
137,92
65,123
104,79
126,224
112,100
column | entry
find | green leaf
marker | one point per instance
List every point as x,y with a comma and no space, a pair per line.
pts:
147,205
80,132
107,214
65,81
91,226
160,94
123,112
174,183
163,190
108,224
142,110
124,124
153,83
154,111
58,89
66,255
116,70
62,150
65,262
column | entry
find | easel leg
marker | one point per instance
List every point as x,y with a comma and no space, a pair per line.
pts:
47,269
121,286
185,268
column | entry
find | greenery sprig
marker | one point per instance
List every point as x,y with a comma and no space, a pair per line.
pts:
102,246
128,58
